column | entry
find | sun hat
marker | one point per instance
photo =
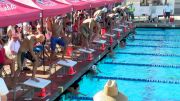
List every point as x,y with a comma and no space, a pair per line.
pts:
110,93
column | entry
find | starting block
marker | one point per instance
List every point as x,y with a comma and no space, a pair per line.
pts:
123,25
86,51
102,42
68,63
117,29
129,22
89,52
41,84
110,35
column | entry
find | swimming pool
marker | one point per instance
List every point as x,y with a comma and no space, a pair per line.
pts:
147,69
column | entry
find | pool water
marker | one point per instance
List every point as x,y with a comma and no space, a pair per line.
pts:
138,60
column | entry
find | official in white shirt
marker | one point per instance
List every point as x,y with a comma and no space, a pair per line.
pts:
167,11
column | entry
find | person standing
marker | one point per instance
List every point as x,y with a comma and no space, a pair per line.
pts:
131,10
167,11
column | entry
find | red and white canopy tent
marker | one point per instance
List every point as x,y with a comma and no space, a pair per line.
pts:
12,13
77,4
116,1
49,7
96,3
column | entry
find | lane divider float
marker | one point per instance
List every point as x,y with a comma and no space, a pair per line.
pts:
137,79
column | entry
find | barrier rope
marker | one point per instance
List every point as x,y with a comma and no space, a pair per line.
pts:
151,54
157,35
157,40
81,98
147,65
138,80
153,46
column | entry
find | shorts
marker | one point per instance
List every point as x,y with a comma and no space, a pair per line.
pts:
28,56
167,14
38,49
56,40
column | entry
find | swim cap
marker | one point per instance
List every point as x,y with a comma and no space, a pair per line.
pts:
104,10
94,67
98,18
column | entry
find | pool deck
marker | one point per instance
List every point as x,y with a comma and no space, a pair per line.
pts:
59,84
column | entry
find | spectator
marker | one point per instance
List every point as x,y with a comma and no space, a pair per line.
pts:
4,60
13,47
131,10
3,90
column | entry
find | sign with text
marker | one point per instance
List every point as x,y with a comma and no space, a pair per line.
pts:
45,2
5,5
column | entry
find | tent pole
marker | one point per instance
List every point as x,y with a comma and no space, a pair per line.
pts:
42,29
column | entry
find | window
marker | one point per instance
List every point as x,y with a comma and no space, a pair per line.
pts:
153,2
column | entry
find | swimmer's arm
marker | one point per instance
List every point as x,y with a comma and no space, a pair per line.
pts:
99,70
91,26
81,94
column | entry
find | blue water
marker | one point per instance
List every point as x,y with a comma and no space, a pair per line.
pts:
136,90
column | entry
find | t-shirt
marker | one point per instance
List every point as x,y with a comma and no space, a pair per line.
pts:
14,45
167,8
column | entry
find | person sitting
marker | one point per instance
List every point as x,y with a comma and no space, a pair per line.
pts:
87,30
5,61
26,51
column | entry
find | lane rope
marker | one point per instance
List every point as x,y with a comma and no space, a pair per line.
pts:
157,35
156,40
81,98
152,46
151,54
137,79
147,65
